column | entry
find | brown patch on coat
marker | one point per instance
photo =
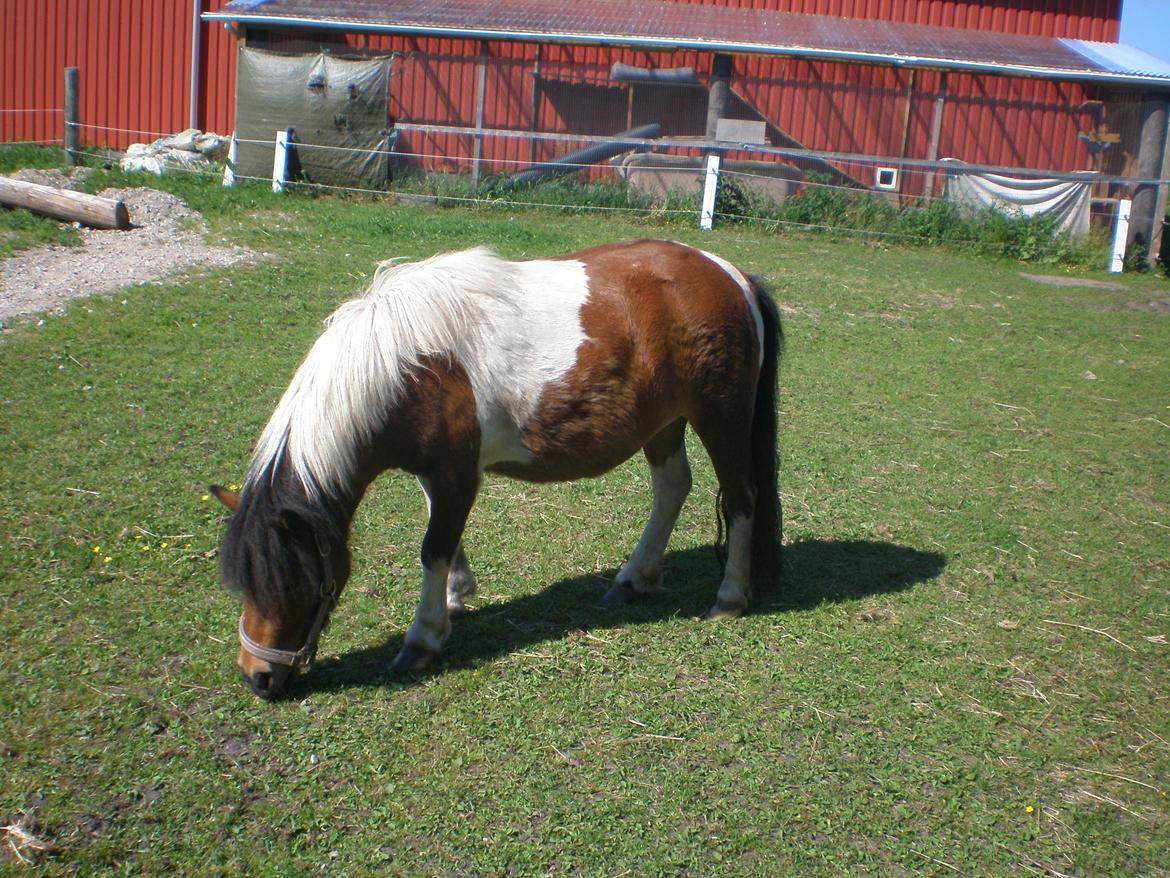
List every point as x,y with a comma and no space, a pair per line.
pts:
668,335
433,422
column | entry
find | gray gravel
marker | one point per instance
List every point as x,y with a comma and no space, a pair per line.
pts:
167,237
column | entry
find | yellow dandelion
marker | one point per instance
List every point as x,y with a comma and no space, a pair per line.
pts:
146,547
1028,809
205,497
233,487
187,546
97,550
107,559
163,545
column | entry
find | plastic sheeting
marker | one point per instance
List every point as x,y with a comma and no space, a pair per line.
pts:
1067,201
338,108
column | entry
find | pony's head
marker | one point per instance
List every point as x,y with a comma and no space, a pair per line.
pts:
289,562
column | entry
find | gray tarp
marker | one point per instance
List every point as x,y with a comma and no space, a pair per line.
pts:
328,101
1067,201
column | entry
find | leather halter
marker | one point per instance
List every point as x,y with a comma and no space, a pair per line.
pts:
303,657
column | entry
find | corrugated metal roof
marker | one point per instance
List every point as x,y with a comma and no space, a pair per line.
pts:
661,24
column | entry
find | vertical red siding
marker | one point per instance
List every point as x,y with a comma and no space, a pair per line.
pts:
134,62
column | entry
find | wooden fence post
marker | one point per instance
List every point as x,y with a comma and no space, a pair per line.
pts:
72,122
1120,237
710,190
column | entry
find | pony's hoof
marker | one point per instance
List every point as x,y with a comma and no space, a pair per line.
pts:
723,610
456,609
412,658
622,593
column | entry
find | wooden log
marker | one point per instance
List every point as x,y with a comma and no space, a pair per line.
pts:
62,204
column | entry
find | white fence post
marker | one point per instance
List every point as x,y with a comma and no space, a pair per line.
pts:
229,171
280,161
1120,233
710,189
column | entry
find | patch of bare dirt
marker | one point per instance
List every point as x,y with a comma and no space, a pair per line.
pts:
1056,280
167,237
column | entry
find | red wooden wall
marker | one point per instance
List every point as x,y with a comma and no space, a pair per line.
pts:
134,61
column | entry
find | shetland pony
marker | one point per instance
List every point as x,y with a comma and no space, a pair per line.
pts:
544,370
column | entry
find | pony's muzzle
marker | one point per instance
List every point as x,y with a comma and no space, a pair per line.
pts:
265,680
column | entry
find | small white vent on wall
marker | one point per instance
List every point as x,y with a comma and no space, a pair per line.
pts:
886,178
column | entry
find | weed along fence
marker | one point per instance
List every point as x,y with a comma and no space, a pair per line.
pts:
719,180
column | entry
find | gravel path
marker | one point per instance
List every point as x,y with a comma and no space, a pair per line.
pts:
167,237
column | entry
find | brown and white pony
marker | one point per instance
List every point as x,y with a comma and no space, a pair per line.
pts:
546,370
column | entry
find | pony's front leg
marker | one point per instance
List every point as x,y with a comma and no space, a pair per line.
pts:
670,481
461,582
450,498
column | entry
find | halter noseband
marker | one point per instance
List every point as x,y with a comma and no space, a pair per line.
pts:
303,657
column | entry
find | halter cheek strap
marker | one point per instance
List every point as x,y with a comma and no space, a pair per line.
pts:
303,657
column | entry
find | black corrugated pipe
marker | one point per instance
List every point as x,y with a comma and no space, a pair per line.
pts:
667,76
590,155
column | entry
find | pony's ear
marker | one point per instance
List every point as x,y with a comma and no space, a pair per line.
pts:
230,499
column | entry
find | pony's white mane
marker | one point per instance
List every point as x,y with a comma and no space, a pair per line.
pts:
370,348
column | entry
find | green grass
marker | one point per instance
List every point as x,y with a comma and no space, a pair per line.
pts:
966,664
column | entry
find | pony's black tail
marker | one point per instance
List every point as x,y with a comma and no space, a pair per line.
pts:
768,516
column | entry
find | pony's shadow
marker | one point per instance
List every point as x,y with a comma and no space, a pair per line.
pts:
814,572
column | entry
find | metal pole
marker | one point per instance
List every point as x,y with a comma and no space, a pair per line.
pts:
72,120
196,52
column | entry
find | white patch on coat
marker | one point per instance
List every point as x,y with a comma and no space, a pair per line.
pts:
513,326
748,293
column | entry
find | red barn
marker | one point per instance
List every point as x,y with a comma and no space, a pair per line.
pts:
843,85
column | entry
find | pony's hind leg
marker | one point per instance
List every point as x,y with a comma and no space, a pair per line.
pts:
735,589
730,454
670,481
461,584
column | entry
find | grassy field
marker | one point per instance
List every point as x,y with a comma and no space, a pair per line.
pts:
964,672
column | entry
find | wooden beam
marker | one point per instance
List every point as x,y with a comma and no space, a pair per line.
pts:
480,94
63,204
719,91
1146,222
940,104
1163,202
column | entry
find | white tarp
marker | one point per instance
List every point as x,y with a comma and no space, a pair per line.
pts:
1067,201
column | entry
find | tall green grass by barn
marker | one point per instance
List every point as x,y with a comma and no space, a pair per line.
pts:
963,673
